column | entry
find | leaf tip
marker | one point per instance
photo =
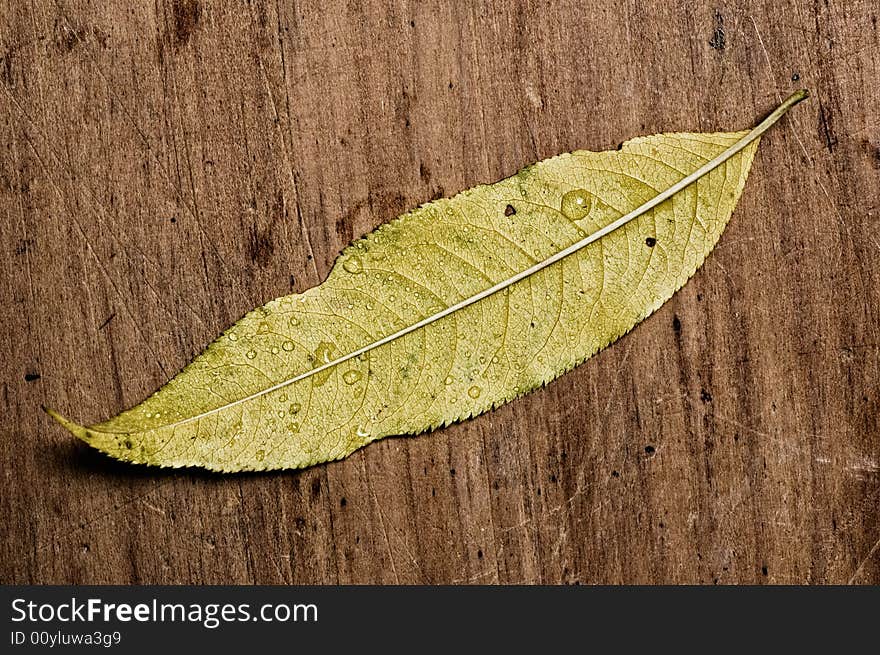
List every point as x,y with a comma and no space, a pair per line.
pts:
75,429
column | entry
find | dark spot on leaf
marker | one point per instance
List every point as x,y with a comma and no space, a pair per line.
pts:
31,377
620,145
649,450
451,471
412,23
650,242
615,474
552,477
795,77
764,570
343,502
479,554
173,219
509,210
676,324
705,396
316,487
450,85
186,18
127,443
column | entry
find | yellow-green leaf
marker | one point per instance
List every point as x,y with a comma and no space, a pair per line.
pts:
448,311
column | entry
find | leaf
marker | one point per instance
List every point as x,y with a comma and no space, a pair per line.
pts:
448,311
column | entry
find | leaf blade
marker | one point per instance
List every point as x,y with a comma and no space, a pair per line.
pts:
295,404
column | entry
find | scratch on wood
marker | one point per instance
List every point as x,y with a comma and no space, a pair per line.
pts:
864,561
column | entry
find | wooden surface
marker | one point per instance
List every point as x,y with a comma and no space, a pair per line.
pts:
168,166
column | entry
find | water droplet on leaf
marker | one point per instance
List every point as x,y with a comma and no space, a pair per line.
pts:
577,204
323,355
353,265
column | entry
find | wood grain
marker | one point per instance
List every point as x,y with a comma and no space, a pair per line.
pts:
168,166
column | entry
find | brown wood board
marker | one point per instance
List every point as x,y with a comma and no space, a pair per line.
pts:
168,166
